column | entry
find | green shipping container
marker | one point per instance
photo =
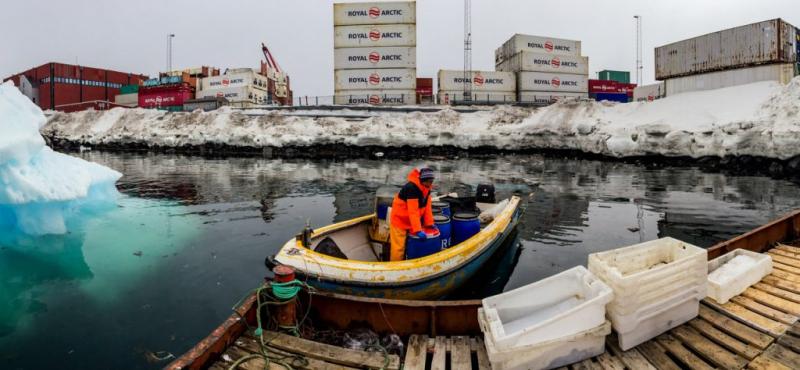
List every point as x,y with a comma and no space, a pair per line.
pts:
619,76
129,89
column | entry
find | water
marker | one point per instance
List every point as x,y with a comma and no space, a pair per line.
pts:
189,239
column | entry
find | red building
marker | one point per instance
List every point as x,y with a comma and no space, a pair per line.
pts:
72,88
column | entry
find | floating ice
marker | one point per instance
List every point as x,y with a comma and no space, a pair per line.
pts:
40,188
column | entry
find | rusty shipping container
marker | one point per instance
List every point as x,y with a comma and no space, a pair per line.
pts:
766,42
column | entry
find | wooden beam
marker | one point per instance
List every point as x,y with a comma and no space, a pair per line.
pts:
416,353
460,356
656,355
681,353
331,354
750,318
709,350
735,328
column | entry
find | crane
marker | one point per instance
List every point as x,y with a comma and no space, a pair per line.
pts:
270,59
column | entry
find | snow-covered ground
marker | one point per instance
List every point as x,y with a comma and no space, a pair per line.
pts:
759,119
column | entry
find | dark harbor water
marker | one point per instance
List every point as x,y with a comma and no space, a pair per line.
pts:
189,239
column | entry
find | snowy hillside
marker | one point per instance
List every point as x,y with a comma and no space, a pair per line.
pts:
759,119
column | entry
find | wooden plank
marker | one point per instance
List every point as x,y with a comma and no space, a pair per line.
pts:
791,342
235,353
483,358
788,248
787,268
711,351
785,275
609,362
783,355
416,353
765,363
331,354
439,354
749,318
631,358
785,253
783,284
681,353
654,353
586,365
735,328
794,330
725,340
460,357
770,312
785,294
784,260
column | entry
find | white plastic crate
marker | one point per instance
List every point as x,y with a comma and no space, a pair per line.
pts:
629,322
669,317
733,282
563,304
550,354
690,280
642,272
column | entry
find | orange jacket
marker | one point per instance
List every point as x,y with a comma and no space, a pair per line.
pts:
411,208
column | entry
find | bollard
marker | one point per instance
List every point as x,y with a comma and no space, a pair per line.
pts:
287,312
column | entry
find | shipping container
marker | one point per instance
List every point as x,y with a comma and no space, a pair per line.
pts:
378,79
236,78
164,96
767,42
345,14
478,97
556,82
649,92
240,96
375,97
609,86
205,104
129,89
782,73
387,57
130,100
450,80
538,62
615,97
538,97
537,44
374,35
618,76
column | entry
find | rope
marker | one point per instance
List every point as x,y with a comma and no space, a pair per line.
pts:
288,290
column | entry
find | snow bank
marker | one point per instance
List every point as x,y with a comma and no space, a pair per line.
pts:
759,119
39,188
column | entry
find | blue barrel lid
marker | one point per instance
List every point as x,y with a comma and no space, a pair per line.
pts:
465,216
440,204
441,219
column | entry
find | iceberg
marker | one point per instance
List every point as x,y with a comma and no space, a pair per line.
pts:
40,189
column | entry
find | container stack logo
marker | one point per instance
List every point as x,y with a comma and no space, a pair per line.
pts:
374,12
548,45
555,62
226,82
374,79
374,57
374,99
555,82
478,80
375,34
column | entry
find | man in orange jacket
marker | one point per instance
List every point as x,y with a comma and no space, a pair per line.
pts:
411,210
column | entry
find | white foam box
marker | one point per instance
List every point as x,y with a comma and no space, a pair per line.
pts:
733,285
549,354
564,304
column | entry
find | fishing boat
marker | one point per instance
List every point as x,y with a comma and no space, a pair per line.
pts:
758,329
357,267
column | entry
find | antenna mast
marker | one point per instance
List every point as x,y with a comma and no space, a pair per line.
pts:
467,50
638,49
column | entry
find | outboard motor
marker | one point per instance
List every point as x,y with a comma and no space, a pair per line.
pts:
485,193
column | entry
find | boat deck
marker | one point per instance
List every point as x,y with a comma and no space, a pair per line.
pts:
758,329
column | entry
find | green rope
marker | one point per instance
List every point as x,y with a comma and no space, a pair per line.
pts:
288,290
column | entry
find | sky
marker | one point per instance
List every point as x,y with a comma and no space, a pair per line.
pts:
130,36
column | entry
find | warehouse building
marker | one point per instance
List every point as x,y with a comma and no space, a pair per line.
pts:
69,88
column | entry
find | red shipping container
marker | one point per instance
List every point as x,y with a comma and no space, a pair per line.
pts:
164,96
608,86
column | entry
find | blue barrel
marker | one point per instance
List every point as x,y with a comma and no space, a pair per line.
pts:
381,211
464,225
416,247
443,223
444,208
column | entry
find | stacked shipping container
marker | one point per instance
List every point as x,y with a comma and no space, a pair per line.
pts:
375,56
547,69
755,52
487,86
242,87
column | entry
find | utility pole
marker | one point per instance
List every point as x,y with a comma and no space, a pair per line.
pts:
638,49
467,50
169,51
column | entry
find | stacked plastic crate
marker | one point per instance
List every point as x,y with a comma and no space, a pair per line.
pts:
657,286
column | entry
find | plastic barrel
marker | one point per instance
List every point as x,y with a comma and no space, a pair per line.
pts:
416,247
443,206
443,223
381,211
464,226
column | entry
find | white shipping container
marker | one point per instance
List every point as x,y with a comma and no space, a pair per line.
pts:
782,73
374,35
127,99
538,97
482,81
649,92
375,13
478,97
375,97
236,94
772,41
556,82
537,62
538,44
388,57
240,78
375,79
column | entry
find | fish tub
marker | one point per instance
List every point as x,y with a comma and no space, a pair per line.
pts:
548,354
564,304
632,331
731,274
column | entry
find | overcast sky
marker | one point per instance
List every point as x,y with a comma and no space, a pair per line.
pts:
130,36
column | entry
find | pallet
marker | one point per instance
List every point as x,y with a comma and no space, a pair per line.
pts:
445,353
